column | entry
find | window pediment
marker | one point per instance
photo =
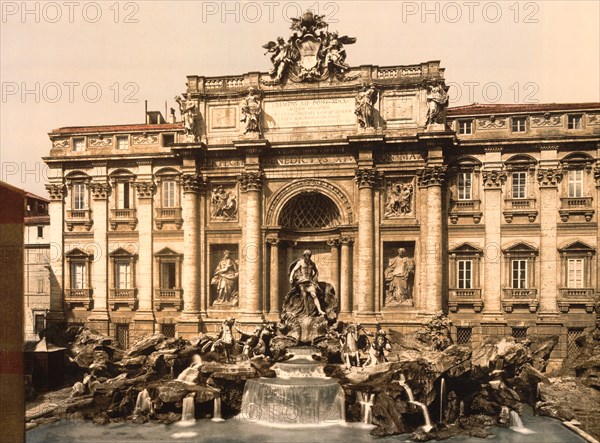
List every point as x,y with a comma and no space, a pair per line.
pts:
520,248
577,247
466,248
167,253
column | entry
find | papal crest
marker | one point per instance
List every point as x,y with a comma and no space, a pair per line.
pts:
308,48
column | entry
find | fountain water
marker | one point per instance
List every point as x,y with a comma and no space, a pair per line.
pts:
188,413
217,410
190,375
143,403
411,398
300,394
516,424
366,404
442,391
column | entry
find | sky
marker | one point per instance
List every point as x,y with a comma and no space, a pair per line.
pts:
73,63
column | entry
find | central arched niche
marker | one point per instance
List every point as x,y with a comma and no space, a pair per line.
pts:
309,211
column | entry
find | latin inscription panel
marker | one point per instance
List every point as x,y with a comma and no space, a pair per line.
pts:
309,113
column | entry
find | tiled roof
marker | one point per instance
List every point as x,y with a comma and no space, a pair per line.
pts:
115,128
477,108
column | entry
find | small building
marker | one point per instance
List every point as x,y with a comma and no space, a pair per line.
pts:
45,364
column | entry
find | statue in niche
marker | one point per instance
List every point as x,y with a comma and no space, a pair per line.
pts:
310,304
190,116
437,101
364,104
224,203
397,276
251,110
399,200
225,280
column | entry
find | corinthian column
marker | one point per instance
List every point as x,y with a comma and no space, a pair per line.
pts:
251,185
99,317
191,185
432,178
57,257
144,317
345,275
365,276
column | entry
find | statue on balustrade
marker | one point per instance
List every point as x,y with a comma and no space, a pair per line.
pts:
365,102
225,280
398,276
310,305
251,109
437,101
191,118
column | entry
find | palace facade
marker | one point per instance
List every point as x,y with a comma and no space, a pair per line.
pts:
173,227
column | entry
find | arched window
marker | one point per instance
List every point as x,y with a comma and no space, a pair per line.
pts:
310,211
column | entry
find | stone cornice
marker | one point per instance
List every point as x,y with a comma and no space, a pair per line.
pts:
493,178
549,178
145,189
251,181
431,176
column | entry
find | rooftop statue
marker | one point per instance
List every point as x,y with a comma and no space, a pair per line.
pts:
437,102
309,54
190,116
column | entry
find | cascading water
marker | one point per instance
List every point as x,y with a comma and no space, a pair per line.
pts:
143,403
442,392
217,410
300,394
366,404
516,424
188,413
411,398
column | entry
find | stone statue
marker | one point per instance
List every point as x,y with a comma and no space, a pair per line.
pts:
364,103
437,101
334,52
251,109
378,348
282,57
224,203
310,304
399,200
190,116
397,276
224,343
353,338
225,279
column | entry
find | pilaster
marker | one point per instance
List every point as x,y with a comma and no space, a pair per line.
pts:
57,192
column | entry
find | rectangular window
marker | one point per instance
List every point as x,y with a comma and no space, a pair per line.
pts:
168,194
519,184
39,323
576,183
519,274
167,275
574,122
122,335
575,273
122,275
168,330
123,195
465,127
79,144
465,274
463,335
464,185
78,276
168,139
518,124
122,142
79,196
40,232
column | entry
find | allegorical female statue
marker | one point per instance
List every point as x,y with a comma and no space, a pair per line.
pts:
225,279
251,109
397,275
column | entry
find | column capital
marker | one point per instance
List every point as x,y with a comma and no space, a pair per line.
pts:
549,178
100,191
192,183
366,177
334,242
597,175
431,176
493,178
145,189
57,192
251,181
273,241
346,241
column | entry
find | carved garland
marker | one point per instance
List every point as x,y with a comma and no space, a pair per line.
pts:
549,177
493,178
431,176
309,185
